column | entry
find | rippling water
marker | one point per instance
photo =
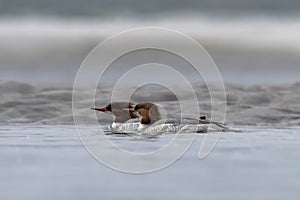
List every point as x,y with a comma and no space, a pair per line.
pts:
255,46
246,105
49,162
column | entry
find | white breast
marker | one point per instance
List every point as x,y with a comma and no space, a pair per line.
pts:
172,126
124,127
142,127
115,125
159,127
193,128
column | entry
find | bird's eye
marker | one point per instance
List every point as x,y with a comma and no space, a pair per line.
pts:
108,107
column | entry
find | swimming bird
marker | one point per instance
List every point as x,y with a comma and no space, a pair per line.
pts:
152,121
149,112
125,118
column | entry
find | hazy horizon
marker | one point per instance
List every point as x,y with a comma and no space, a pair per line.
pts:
252,42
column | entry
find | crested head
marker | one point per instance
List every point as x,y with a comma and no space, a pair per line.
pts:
149,111
122,111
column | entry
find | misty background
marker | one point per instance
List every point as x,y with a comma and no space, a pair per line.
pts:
255,44
252,42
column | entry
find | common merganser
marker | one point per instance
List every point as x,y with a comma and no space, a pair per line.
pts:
152,121
125,118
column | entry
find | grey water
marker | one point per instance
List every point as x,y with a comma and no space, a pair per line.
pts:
49,161
257,105
143,8
254,44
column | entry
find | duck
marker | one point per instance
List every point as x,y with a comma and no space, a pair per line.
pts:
125,118
152,121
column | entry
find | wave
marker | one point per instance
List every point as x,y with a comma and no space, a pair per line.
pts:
255,32
54,48
246,105
143,8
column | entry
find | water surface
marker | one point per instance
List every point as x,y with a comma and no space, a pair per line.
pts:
49,162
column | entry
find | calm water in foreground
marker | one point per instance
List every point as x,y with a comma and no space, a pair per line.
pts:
49,162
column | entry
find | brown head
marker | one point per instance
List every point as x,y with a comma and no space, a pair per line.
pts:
123,111
149,112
